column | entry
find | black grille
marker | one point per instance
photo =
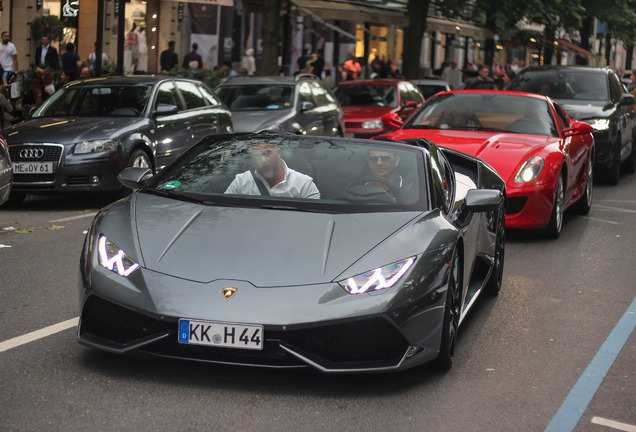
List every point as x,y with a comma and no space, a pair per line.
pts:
78,180
33,178
358,343
515,205
51,153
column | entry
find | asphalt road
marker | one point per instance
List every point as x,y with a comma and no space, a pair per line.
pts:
554,351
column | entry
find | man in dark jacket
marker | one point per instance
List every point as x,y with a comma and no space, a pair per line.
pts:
47,55
169,58
192,60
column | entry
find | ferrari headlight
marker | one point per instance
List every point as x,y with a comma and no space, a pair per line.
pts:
372,124
114,259
599,124
530,170
378,279
95,146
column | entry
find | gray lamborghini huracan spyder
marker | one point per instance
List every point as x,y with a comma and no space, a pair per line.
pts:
274,250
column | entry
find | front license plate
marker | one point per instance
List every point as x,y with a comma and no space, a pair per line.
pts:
33,168
221,334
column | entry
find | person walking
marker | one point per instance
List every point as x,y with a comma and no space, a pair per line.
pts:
8,57
169,59
71,61
47,55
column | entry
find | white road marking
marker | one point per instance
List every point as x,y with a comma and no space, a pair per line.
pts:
602,220
74,217
614,424
620,210
38,334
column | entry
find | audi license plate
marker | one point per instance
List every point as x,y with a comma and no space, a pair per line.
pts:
33,168
221,334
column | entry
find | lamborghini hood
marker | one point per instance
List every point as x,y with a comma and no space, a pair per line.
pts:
263,247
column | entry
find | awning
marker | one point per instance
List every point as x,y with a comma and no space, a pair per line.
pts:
574,49
330,10
450,27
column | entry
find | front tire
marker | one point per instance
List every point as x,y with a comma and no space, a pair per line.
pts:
584,204
553,230
496,275
452,311
140,159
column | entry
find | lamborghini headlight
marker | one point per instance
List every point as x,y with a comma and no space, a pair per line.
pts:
96,146
599,124
377,279
114,259
372,124
530,170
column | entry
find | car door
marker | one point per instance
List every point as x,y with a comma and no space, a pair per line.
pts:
171,133
198,115
626,115
327,107
310,115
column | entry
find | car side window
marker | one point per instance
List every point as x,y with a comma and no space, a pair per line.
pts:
441,194
404,94
191,95
414,94
616,89
320,93
305,94
208,96
562,119
167,94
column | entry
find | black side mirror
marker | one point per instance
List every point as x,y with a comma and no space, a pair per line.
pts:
627,99
165,109
483,200
134,177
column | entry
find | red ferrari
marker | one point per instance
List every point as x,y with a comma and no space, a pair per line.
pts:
545,157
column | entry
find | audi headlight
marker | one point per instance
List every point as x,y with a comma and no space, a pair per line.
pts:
95,146
372,124
377,279
530,170
114,259
599,124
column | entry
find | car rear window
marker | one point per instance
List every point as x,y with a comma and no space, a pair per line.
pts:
251,97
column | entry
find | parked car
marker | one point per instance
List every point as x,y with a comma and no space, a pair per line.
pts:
365,102
593,95
88,131
300,104
340,267
428,87
545,157
6,171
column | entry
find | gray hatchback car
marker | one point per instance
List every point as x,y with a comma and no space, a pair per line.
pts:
300,104
88,131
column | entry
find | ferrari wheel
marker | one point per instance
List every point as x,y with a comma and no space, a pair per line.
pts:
452,310
584,204
496,275
556,218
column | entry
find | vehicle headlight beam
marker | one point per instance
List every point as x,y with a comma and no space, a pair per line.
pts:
378,279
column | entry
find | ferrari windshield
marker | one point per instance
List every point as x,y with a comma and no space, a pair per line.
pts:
486,111
256,97
96,101
367,95
299,173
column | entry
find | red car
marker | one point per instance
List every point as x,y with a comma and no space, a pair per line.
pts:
545,157
365,102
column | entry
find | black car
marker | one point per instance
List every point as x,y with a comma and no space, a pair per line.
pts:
6,171
89,130
300,104
593,95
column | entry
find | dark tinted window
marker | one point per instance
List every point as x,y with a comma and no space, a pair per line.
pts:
321,94
564,83
167,95
208,96
251,97
191,94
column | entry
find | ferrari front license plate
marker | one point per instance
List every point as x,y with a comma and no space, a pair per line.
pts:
220,334
33,168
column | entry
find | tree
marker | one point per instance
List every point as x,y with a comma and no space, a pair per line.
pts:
413,34
47,25
271,36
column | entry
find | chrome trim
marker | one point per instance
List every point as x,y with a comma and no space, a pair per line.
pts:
58,162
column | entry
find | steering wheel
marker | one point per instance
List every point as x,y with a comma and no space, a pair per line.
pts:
392,190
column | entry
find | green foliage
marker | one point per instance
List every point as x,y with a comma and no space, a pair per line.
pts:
211,77
48,25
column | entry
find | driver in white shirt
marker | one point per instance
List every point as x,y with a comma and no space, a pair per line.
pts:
274,176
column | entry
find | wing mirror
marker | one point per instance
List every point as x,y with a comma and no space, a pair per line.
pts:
627,99
392,121
307,106
483,200
578,128
165,109
134,177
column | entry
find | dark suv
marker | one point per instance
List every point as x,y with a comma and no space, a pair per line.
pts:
593,95
88,131
300,104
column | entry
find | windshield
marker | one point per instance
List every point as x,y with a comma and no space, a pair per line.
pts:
479,111
564,84
256,97
97,100
367,95
307,174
